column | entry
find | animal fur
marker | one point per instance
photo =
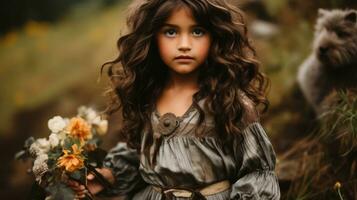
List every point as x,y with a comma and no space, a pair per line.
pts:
333,62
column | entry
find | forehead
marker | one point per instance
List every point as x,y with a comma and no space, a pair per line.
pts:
181,17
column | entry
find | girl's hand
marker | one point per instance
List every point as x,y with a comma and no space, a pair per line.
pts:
93,185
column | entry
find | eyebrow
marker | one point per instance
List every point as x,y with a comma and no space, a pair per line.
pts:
173,25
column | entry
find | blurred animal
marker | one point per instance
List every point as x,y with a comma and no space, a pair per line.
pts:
333,62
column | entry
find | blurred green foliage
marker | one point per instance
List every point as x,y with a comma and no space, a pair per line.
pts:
41,61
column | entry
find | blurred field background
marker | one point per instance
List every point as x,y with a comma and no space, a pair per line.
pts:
50,58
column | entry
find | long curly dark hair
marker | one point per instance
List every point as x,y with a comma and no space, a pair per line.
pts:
138,74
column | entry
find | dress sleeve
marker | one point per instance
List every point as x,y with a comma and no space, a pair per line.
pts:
256,158
124,163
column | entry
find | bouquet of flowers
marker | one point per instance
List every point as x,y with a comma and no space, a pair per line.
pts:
70,152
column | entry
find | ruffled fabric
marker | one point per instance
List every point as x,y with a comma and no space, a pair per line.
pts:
184,160
256,176
150,193
124,163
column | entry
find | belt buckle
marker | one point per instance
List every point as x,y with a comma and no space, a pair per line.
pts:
179,193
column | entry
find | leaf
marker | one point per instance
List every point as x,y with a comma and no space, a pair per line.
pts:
21,155
76,175
52,163
79,175
67,143
24,153
28,142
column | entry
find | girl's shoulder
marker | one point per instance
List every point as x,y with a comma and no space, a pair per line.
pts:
250,114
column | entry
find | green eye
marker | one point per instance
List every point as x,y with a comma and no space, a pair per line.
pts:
170,32
198,32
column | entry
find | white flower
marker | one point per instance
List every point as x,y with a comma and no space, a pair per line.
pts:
54,140
40,166
62,136
89,114
57,124
49,198
96,120
43,144
102,127
41,159
40,146
82,110
35,149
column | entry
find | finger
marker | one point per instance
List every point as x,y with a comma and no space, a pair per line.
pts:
90,177
74,187
77,197
82,196
79,188
100,170
73,183
70,182
84,192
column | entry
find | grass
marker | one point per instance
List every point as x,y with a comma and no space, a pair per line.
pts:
326,156
339,122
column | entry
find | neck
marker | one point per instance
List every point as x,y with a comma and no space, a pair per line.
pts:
179,82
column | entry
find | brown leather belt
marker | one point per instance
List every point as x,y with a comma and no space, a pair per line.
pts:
206,191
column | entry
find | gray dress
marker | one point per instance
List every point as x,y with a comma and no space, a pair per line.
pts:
181,159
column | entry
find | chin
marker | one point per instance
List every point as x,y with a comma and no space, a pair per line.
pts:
184,69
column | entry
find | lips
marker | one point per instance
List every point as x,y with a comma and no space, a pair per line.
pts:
183,58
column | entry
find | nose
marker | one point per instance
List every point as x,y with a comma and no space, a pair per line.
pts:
323,50
184,43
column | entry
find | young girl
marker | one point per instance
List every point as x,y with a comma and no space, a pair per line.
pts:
188,86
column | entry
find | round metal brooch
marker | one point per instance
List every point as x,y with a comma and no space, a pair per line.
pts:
168,123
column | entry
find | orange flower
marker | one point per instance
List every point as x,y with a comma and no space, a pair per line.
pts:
79,128
71,162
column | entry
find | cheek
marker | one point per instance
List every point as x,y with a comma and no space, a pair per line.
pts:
164,49
204,49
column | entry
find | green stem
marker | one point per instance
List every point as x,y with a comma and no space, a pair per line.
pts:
339,193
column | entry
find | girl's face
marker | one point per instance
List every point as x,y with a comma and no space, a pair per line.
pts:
182,43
